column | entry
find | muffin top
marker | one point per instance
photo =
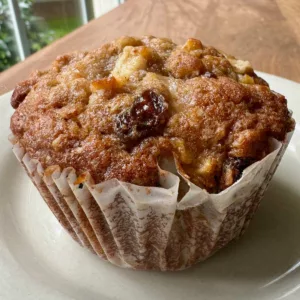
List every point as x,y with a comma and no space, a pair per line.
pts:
118,110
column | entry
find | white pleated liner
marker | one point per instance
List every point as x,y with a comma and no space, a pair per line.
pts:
147,227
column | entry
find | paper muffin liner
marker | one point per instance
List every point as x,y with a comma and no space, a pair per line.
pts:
151,227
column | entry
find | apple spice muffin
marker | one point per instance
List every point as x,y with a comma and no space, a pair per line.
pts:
118,110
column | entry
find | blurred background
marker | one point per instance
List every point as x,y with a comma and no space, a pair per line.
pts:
27,26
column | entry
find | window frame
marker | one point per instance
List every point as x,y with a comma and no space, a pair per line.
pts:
87,13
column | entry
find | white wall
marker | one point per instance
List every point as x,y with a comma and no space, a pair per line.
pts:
103,6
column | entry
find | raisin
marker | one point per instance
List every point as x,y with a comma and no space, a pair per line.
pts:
233,169
209,75
259,80
20,92
123,123
253,105
240,164
147,116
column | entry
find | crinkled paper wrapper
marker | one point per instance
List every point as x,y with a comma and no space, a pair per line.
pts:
148,227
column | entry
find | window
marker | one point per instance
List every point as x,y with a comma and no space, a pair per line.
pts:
9,54
27,26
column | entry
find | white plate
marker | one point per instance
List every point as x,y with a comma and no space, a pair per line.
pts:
38,260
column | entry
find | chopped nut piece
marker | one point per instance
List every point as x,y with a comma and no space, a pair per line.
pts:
184,155
131,60
241,66
184,65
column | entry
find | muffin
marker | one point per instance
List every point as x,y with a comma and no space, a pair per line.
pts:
152,155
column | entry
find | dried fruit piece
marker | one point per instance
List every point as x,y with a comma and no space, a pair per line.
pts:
259,80
233,169
246,79
123,124
107,83
20,92
192,44
104,86
147,116
209,75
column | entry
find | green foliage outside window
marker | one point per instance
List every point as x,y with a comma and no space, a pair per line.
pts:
38,33
8,53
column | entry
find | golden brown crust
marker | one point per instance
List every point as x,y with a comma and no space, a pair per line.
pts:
116,110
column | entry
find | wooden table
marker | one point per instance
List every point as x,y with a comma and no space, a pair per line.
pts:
266,32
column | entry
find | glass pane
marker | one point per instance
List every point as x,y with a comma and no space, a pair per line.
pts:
44,22
48,20
8,48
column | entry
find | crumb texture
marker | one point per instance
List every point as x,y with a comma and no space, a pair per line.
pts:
118,110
